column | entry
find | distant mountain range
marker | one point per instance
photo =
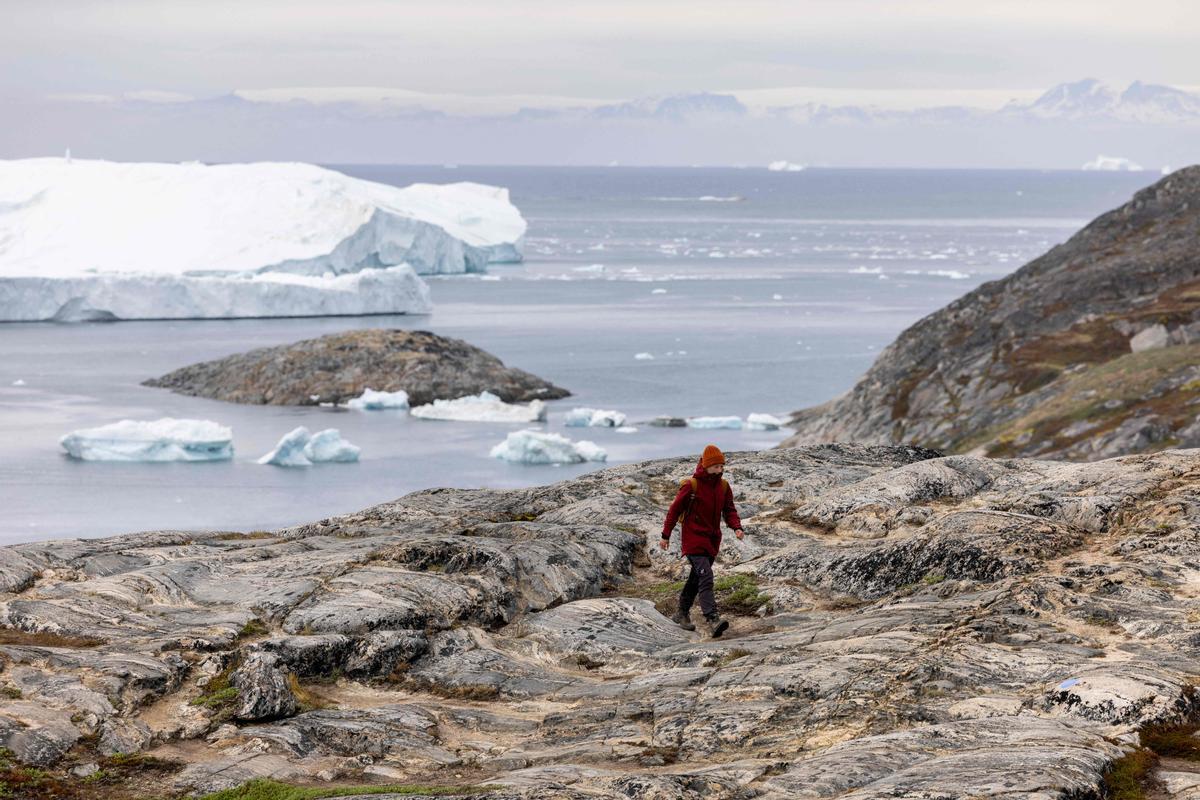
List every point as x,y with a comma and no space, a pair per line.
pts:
1087,99
1072,124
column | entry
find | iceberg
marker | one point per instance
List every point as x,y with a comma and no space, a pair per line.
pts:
106,240
482,407
535,447
763,422
643,356
725,423
371,400
299,448
1111,164
163,439
785,166
593,418
328,446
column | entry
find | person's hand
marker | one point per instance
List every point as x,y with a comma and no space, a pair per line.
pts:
663,544
738,533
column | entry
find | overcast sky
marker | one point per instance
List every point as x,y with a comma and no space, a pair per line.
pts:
607,49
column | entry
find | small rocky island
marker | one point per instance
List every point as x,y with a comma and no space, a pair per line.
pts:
1090,351
338,367
904,625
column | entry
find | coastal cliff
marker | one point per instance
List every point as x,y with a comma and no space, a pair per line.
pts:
1089,351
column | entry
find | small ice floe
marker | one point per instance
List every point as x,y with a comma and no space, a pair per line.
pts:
19,382
482,407
591,268
776,297
785,166
724,423
535,447
299,448
763,422
644,356
371,400
627,429
163,439
593,418
658,291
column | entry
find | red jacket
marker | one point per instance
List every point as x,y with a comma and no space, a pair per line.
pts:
702,526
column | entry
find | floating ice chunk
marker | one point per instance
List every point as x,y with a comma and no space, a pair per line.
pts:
483,407
19,382
298,448
163,439
776,297
763,422
860,270
535,447
328,445
591,451
592,268
658,291
105,240
644,356
952,274
1112,164
290,450
593,418
726,423
371,400
785,166
627,429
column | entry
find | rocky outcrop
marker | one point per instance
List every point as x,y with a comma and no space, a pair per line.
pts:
937,627
1090,351
338,367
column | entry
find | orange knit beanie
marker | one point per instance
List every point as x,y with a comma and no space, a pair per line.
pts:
712,455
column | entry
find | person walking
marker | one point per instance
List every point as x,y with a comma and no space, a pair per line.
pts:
701,502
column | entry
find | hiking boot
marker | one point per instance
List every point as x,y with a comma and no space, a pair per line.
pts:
681,619
715,626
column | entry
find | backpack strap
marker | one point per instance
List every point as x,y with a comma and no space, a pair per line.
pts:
692,483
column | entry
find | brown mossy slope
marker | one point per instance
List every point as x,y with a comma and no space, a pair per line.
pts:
973,374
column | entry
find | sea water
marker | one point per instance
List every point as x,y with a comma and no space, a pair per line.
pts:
752,291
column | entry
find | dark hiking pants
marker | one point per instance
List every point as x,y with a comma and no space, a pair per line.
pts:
699,582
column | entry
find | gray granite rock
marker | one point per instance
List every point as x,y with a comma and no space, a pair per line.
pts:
946,627
338,367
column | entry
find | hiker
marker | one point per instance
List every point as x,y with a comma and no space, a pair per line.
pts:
701,502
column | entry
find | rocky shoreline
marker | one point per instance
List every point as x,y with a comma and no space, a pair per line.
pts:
338,367
916,626
1087,352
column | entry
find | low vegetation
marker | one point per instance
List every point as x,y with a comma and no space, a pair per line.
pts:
46,639
264,789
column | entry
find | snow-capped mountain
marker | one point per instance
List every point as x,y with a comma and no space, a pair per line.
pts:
1091,99
675,107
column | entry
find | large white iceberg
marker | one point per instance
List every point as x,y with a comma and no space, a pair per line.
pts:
482,407
593,418
99,239
299,448
163,439
371,400
535,447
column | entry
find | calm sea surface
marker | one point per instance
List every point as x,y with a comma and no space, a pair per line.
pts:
753,291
